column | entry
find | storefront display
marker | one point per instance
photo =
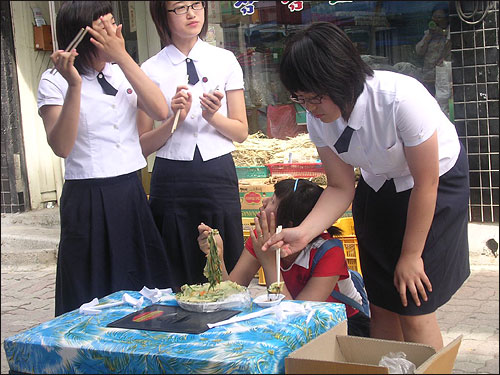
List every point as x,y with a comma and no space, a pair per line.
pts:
385,32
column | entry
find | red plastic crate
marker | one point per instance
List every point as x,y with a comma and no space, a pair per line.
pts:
298,170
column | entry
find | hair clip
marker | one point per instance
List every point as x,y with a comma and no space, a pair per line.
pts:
295,186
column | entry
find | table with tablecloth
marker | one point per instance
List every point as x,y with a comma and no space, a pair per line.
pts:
77,343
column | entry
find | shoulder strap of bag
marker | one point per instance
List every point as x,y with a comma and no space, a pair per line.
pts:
327,245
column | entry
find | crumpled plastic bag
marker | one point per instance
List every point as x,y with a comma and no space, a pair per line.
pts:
397,363
443,85
156,294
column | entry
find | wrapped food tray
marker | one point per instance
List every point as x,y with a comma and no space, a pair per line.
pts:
234,301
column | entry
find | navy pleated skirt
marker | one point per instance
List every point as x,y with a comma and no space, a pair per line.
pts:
379,222
109,241
184,194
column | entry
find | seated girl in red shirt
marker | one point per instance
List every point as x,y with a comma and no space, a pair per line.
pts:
290,204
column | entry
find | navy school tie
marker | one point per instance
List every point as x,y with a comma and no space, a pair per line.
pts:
342,144
191,71
106,86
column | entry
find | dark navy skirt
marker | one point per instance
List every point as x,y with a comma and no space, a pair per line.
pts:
184,194
109,241
379,222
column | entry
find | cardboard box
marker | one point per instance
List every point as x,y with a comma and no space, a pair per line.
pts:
251,195
336,353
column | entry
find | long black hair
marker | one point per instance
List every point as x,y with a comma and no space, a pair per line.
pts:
322,59
158,10
72,16
297,199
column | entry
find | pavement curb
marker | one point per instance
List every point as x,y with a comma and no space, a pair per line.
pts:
46,256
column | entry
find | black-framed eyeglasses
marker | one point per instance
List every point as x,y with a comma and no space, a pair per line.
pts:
183,9
301,100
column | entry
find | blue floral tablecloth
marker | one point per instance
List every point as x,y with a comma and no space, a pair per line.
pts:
76,343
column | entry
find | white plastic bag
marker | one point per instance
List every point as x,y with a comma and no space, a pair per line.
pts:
443,85
397,363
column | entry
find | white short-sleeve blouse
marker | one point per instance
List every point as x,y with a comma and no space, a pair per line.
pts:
216,67
107,143
393,111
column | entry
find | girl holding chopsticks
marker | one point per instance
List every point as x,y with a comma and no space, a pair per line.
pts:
109,241
194,177
318,272
410,205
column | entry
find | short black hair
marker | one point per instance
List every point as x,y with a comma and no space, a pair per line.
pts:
72,16
322,59
158,10
295,205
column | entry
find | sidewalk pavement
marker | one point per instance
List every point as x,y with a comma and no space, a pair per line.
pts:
29,248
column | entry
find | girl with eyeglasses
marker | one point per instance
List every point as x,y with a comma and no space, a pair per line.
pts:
109,241
194,177
410,206
310,274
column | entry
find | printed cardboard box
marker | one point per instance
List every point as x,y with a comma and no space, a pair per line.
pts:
252,192
335,352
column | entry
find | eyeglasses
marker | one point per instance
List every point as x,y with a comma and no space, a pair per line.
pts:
301,100
183,9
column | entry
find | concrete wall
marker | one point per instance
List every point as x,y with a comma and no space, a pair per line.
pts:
44,169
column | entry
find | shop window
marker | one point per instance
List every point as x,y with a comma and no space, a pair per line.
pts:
386,34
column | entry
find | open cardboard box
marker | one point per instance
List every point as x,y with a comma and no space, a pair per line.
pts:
334,352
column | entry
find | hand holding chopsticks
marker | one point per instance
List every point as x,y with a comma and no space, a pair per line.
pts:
178,113
73,44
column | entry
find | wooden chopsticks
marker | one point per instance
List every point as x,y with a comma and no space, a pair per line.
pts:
74,43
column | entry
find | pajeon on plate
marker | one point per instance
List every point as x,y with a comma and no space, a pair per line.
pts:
201,298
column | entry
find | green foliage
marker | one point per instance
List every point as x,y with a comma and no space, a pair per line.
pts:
212,270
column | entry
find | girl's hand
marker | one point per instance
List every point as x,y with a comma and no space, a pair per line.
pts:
182,101
64,63
290,240
210,104
204,230
108,40
265,202
410,275
264,229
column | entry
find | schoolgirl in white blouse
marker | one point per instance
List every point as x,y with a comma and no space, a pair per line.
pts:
410,205
108,238
194,178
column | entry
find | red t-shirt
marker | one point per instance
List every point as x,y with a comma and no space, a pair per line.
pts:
332,263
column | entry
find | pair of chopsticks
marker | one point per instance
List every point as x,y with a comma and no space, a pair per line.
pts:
278,256
74,43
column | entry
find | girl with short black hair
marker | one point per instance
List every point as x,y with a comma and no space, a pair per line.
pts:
410,205
109,241
194,177
314,273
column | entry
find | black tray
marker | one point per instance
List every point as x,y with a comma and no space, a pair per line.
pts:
171,319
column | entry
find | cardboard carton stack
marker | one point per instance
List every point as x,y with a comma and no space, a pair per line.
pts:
252,193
